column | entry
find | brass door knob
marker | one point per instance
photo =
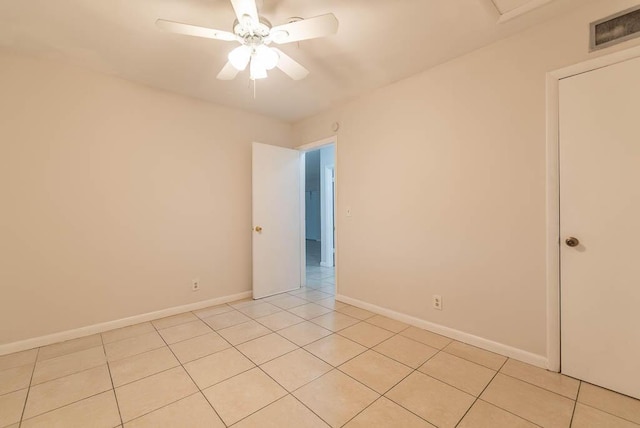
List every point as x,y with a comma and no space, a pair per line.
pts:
258,229
572,242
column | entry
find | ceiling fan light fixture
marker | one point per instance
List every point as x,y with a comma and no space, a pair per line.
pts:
279,36
247,21
267,56
240,57
257,70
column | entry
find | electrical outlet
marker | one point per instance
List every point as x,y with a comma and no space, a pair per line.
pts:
437,302
195,285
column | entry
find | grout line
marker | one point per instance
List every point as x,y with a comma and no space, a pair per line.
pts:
163,406
509,411
337,368
175,325
72,373
312,380
379,394
310,409
608,413
541,387
111,379
388,390
67,405
190,377
26,399
477,397
575,404
495,405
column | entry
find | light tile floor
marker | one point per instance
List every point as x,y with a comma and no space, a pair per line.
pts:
296,360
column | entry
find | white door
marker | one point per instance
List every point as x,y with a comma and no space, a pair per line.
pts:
600,207
276,220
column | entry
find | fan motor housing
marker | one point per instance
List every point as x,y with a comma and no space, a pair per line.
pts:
261,29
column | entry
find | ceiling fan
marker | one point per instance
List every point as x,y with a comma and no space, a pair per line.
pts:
255,34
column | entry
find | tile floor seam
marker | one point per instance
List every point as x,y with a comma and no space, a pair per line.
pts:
192,380
344,362
281,386
303,320
272,359
385,396
307,344
399,362
417,371
204,356
253,338
163,406
313,355
332,331
26,399
226,379
477,397
361,344
471,361
510,412
321,376
132,355
310,409
69,374
541,387
143,377
193,337
401,405
422,343
106,364
12,392
608,413
67,404
379,395
501,408
575,404
111,379
125,338
391,331
175,325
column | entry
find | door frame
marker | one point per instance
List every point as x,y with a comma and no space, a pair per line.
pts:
553,191
303,247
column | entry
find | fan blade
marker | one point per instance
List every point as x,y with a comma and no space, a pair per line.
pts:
245,7
320,26
193,30
290,67
228,72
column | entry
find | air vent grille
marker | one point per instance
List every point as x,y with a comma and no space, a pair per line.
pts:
615,29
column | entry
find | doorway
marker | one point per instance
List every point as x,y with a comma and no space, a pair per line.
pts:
319,218
593,262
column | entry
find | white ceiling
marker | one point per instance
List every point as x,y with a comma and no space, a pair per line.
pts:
379,42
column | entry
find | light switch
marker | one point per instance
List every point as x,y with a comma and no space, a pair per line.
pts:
348,211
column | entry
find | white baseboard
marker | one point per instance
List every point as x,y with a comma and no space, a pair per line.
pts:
480,342
326,264
36,342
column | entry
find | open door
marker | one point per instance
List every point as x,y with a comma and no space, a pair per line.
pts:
276,220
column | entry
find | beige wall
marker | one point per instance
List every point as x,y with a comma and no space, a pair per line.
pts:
445,175
114,196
